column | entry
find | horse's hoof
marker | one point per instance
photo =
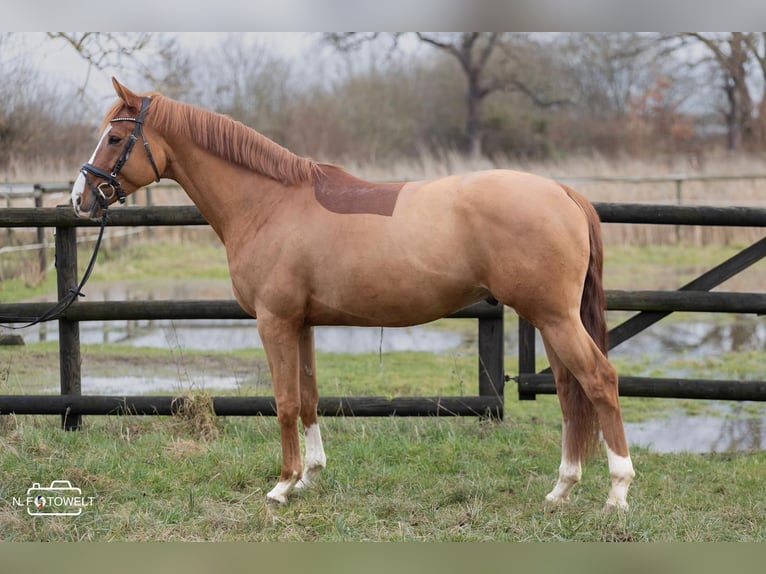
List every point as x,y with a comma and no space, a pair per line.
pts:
277,499
309,478
615,506
553,503
279,493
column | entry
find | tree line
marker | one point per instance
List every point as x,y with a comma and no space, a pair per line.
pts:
378,97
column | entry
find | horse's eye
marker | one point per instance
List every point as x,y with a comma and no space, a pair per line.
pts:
114,140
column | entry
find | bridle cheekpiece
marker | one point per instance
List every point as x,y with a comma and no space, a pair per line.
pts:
114,187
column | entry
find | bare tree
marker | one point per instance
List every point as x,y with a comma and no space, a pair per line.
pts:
756,43
37,119
139,52
244,79
472,50
38,127
485,59
609,69
732,54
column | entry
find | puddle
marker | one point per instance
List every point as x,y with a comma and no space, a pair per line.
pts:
671,340
120,386
664,342
222,335
698,339
201,335
731,431
350,340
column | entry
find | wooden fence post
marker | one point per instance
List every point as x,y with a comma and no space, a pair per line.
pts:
69,331
527,355
679,201
491,362
42,254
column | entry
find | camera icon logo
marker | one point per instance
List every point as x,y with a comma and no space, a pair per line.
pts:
58,499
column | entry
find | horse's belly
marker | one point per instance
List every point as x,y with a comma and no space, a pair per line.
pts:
390,306
406,271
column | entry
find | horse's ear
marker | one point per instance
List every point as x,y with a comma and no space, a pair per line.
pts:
131,99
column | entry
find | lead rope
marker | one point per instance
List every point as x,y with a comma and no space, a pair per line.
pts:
63,304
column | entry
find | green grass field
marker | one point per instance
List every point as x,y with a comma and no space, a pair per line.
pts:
170,478
387,479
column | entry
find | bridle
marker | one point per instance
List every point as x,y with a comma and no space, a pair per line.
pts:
113,186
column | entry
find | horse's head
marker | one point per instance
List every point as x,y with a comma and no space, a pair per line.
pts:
113,172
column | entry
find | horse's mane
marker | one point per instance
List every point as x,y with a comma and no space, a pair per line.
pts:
228,139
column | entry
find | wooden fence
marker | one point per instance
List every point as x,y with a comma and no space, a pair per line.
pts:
652,306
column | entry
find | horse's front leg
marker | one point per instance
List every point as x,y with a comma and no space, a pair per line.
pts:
315,456
280,339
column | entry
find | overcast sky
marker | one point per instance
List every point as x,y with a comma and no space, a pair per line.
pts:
336,15
60,62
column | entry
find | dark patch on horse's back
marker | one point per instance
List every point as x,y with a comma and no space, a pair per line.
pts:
340,192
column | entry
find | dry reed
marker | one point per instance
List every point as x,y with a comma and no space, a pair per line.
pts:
655,183
194,415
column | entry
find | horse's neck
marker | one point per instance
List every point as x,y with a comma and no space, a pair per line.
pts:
228,196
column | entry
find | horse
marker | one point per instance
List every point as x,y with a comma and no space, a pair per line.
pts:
310,244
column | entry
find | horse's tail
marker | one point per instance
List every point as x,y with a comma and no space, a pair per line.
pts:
582,425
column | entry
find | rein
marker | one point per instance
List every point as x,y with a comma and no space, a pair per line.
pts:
64,303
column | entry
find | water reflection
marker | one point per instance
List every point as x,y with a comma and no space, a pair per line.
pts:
221,335
699,339
728,432
665,341
693,338
224,335
207,336
131,385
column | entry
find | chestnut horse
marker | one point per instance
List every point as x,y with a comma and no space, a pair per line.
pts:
309,244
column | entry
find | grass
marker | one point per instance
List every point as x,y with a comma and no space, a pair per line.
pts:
443,479
204,260
659,267
387,480
140,261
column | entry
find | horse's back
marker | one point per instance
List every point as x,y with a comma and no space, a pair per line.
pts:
513,195
495,210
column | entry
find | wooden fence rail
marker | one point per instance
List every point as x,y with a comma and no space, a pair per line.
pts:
163,215
652,306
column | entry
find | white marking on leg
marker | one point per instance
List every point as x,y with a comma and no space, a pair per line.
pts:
282,489
570,473
622,473
79,185
315,457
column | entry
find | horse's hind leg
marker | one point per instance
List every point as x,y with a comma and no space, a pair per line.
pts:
315,459
570,469
571,343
